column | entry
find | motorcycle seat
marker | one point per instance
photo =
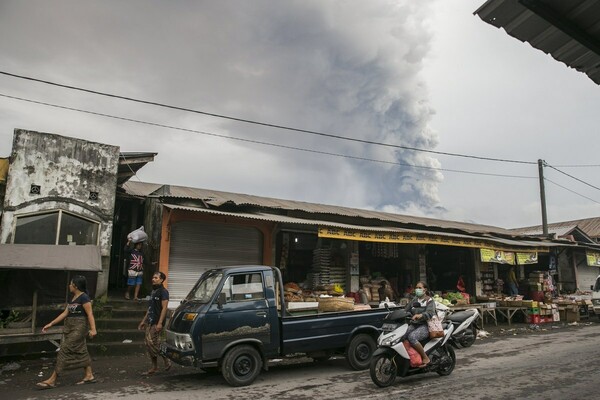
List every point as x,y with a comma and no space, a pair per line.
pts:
460,316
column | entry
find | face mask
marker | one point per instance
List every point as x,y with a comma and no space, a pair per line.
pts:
419,292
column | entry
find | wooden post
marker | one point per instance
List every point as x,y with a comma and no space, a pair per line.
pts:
34,311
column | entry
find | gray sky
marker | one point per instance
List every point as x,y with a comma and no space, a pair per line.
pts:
426,74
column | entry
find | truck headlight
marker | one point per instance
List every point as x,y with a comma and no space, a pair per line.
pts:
189,316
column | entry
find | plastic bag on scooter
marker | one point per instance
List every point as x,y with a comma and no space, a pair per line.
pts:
415,357
435,327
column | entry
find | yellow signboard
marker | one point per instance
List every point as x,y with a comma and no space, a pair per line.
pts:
413,238
527,258
593,259
497,256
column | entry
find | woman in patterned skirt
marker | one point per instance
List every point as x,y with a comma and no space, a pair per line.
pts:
79,323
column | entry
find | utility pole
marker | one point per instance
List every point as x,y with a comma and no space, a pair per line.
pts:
543,197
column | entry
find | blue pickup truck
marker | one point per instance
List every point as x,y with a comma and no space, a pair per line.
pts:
235,320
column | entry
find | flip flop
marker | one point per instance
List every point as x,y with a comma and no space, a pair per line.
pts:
44,385
86,381
150,372
168,366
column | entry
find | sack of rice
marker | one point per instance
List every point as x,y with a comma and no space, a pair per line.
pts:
329,304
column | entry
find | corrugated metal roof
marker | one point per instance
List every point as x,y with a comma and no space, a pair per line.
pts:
558,231
130,163
590,226
567,30
214,198
315,222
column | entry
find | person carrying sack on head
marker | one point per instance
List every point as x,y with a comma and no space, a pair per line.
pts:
135,268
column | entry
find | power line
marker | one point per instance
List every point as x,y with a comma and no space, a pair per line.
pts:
572,191
248,121
256,141
578,166
571,176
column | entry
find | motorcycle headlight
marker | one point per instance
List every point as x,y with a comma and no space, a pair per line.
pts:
391,341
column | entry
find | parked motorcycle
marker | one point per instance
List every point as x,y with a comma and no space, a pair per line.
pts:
391,358
465,324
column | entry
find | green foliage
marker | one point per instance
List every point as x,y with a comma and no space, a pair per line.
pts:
99,308
12,316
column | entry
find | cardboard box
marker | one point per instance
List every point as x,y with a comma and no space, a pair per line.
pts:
572,316
555,317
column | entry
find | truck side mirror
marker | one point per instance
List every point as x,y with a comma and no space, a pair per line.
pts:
222,300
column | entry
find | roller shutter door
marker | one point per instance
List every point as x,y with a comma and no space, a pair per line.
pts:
200,246
586,276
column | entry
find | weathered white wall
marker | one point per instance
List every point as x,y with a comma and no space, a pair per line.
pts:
67,169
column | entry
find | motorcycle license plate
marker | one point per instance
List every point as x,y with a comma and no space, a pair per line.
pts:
389,327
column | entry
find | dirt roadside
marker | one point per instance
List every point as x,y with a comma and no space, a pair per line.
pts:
20,375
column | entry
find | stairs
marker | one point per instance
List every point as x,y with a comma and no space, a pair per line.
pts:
117,326
116,322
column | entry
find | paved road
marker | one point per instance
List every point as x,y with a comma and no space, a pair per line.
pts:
555,365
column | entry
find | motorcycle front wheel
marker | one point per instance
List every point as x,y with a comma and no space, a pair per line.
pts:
383,369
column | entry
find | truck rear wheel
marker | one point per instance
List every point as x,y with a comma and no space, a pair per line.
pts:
360,351
241,365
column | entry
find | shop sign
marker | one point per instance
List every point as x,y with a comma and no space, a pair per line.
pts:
593,259
412,238
527,258
497,256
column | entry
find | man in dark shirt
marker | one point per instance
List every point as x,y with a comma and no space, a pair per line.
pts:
154,320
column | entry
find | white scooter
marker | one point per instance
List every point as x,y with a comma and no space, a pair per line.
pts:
391,358
465,324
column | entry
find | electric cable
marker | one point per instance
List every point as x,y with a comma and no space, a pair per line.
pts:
248,121
258,142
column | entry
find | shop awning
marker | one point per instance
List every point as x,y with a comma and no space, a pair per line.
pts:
385,234
50,257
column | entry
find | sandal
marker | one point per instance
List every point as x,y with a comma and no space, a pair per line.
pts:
45,385
86,381
168,366
150,372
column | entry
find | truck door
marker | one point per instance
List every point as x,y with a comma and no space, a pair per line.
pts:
245,314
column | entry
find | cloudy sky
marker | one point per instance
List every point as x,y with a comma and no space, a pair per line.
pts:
428,75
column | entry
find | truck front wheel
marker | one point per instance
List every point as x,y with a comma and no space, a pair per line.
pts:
360,351
241,365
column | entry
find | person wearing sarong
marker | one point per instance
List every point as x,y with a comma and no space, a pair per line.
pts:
154,320
78,323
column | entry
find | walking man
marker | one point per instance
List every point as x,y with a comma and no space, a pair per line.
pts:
154,320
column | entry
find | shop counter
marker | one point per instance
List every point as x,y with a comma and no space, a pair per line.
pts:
509,312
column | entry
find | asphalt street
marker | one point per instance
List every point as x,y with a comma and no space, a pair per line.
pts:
517,363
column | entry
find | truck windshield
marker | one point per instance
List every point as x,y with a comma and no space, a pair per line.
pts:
205,287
